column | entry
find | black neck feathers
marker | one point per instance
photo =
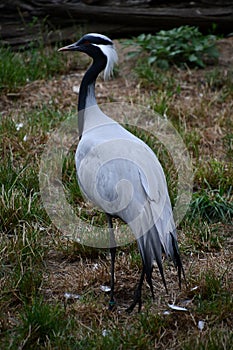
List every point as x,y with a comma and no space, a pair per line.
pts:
87,87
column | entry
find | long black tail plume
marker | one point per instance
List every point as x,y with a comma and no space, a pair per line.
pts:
177,260
151,249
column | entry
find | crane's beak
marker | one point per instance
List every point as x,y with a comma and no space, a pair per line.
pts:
72,47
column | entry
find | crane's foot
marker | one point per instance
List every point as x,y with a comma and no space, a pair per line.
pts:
137,300
137,294
112,305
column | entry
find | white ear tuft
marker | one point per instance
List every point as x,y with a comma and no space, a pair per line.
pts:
112,58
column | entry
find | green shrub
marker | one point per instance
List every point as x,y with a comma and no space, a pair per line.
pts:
179,46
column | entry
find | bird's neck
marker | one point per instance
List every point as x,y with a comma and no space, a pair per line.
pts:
87,91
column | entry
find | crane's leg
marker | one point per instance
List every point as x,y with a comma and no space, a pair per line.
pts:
137,294
112,302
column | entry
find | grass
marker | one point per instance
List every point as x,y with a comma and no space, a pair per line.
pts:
202,236
22,67
218,79
38,265
212,206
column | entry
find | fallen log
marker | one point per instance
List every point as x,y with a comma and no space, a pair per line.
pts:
58,20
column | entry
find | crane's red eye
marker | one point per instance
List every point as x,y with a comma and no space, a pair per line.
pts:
86,42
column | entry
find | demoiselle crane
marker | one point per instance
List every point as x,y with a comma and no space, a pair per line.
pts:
144,204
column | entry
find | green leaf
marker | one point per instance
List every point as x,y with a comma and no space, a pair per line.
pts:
193,58
133,54
163,64
152,59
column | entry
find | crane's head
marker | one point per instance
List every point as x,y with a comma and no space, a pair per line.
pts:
95,45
